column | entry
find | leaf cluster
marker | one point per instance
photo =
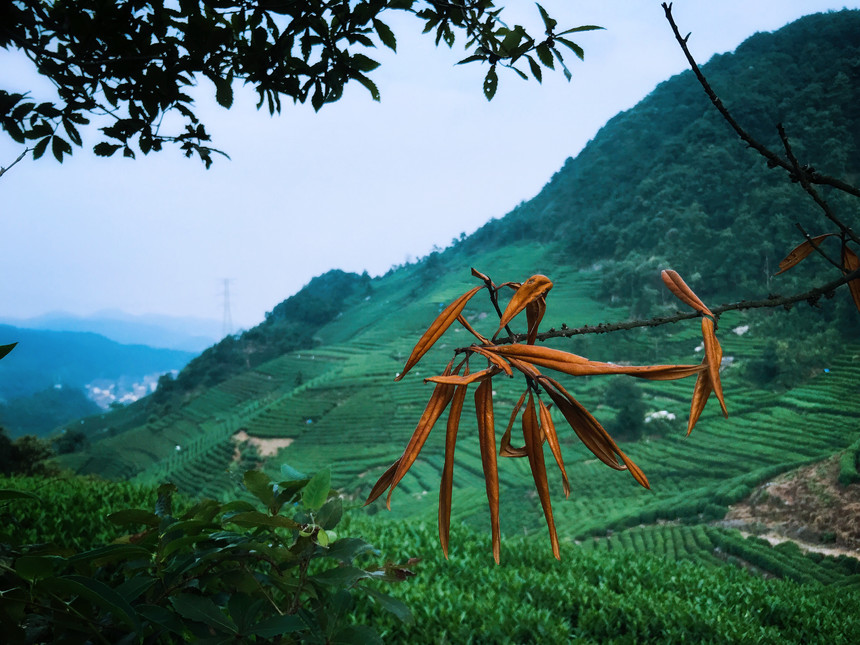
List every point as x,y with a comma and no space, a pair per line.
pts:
134,61
509,355
217,573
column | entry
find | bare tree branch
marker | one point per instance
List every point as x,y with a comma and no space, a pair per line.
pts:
21,156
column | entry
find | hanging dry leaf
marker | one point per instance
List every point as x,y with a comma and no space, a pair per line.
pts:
495,359
676,285
534,315
714,357
454,379
548,429
382,483
435,331
505,449
701,392
800,252
535,287
534,448
446,486
487,441
471,330
851,263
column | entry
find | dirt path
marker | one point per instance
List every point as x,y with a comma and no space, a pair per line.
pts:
265,447
806,506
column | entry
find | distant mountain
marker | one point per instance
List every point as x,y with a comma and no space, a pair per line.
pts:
183,333
50,364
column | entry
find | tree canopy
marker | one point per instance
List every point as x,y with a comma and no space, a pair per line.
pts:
130,64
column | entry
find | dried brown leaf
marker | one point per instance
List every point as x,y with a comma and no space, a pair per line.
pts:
495,359
535,311
534,448
480,276
548,429
382,483
800,253
467,379
506,450
714,358
676,285
535,287
701,392
589,430
439,400
471,330
447,483
851,263
574,365
435,331
487,441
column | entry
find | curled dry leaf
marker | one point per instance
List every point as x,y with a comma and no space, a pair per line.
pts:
535,287
535,311
714,358
435,331
471,330
851,263
534,448
487,442
495,359
481,276
676,285
800,253
506,450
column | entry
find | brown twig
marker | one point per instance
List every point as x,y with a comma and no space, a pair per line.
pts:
812,297
21,156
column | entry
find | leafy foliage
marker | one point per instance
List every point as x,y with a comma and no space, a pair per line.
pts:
133,62
225,572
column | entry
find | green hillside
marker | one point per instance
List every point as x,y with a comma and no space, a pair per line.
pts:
662,185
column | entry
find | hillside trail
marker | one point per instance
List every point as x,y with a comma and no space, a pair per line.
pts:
807,506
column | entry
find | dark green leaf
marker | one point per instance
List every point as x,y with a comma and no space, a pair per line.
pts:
576,49
5,349
315,493
342,577
347,549
224,91
260,486
471,59
545,55
105,149
536,71
291,474
98,593
134,516
356,635
370,85
491,83
277,625
36,567
111,553
385,34
204,610
549,23
393,605
134,587
363,64
39,148
582,28
330,514
255,519
60,146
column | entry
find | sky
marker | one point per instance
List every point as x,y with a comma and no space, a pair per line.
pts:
359,186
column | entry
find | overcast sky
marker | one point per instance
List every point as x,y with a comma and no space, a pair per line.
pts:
359,186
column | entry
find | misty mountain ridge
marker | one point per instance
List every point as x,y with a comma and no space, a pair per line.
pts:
184,333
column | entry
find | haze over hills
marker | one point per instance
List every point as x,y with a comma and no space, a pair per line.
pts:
52,377
168,332
662,185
